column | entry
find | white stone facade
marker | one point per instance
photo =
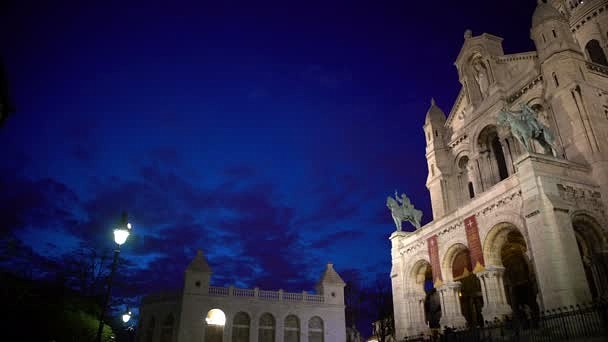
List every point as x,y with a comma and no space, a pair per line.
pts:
250,314
522,230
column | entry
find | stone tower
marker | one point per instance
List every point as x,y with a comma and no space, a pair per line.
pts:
437,159
197,275
331,286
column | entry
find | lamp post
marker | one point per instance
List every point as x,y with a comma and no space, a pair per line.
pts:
120,237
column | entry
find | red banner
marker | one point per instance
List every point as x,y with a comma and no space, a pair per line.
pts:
435,264
474,242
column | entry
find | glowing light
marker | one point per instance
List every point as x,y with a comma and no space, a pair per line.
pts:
216,317
126,316
120,236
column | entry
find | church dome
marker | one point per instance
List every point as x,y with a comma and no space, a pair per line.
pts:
434,114
544,11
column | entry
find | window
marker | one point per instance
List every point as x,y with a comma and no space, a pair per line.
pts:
554,34
266,328
315,329
292,329
595,52
240,327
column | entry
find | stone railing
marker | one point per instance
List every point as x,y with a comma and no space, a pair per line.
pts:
215,291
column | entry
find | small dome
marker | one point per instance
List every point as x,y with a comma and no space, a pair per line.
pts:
434,114
544,11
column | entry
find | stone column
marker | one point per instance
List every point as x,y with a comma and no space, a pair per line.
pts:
280,328
557,263
415,307
474,177
493,289
451,315
508,157
254,328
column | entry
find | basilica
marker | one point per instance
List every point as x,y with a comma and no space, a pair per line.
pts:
518,179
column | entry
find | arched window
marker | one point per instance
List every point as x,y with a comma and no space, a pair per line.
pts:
471,190
266,330
595,52
166,330
149,332
240,327
292,329
315,329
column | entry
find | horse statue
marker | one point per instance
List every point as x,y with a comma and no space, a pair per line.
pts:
525,127
403,212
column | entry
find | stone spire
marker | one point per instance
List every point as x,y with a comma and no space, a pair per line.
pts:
330,276
199,263
434,114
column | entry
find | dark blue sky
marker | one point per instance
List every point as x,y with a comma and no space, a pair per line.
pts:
267,134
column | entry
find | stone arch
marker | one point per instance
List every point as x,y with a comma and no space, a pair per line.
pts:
428,302
465,173
266,328
315,329
215,321
241,324
448,259
494,241
595,53
418,275
492,155
592,246
506,246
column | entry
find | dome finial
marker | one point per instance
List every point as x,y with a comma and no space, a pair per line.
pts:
468,34
432,101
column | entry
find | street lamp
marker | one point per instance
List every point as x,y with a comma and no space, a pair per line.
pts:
120,237
126,316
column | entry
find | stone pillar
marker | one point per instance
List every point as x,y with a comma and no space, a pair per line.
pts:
254,328
415,306
475,176
493,289
508,157
559,269
280,328
451,315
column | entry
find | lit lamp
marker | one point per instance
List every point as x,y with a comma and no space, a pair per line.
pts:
120,237
121,234
126,316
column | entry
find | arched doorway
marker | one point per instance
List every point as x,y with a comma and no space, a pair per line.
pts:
471,297
591,245
595,52
519,280
216,320
431,304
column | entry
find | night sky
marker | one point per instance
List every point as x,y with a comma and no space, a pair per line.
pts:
266,134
